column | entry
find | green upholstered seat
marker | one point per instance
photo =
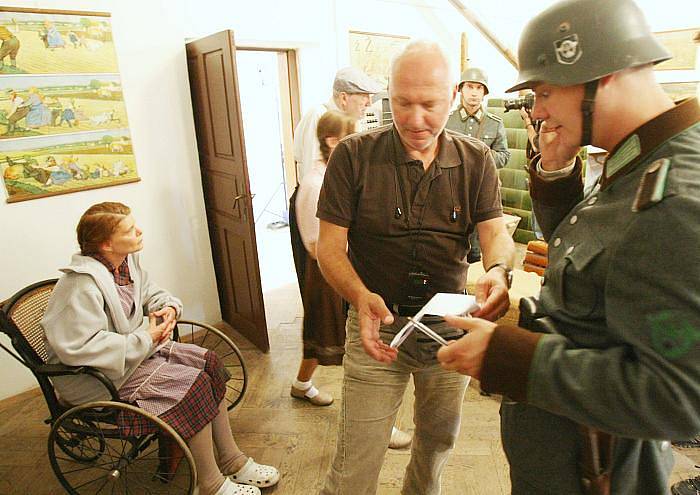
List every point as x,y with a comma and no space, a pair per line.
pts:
514,177
517,138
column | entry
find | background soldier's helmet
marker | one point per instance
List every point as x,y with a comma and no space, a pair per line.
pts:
474,75
577,41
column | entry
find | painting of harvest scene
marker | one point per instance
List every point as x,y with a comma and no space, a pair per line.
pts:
61,104
63,123
60,164
45,43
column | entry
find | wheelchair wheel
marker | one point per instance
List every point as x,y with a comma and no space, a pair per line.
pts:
80,441
114,448
203,335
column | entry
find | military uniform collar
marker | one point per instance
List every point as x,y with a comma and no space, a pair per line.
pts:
447,156
648,137
464,113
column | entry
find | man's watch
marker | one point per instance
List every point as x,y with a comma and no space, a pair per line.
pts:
506,269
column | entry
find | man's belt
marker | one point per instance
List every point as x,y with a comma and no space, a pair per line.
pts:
404,309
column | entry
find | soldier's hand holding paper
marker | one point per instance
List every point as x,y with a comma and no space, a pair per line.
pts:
466,355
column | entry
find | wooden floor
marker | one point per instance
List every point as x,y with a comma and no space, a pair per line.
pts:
276,429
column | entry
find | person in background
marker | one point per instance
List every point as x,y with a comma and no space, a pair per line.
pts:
324,309
472,119
602,371
105,312
352,94
532,149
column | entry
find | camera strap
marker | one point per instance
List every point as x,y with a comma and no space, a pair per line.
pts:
413,233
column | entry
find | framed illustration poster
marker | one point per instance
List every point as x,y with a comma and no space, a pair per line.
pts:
683,45
372,53
682,89
63,122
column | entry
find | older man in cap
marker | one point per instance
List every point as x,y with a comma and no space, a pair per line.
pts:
352,92
602,371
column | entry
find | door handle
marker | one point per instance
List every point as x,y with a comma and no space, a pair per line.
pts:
241,196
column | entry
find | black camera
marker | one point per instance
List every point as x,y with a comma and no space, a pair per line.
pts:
526,102
418,287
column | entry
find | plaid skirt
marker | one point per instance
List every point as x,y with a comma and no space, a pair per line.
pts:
182,384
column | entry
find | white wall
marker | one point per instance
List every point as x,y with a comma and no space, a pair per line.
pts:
39,236
319,29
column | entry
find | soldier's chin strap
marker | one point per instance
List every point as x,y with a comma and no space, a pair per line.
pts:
590,89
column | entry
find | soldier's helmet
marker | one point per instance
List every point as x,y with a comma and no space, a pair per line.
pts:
474,75
577,41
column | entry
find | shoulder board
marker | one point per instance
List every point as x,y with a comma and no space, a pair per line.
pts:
494,117
652,186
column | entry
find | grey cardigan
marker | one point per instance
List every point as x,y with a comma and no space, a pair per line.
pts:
85,325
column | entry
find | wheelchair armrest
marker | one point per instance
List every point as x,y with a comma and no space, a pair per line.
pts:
63,370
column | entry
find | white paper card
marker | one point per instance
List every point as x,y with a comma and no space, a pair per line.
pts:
443,304
440,304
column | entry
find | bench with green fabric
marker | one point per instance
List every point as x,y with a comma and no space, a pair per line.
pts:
514,177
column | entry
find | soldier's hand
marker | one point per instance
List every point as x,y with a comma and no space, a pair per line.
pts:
556,152
492,295
466,355
371,313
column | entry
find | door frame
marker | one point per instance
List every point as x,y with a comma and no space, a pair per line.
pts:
290,103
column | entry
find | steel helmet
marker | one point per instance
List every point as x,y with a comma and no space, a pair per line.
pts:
577,41
475,75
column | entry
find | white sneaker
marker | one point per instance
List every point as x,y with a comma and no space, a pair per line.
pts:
256,474
231,488
399,439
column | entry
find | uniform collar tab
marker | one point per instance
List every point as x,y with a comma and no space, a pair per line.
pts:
648,137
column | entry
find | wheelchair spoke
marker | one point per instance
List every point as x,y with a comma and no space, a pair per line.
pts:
106,466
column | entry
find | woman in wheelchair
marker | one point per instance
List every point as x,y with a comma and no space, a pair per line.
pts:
106,313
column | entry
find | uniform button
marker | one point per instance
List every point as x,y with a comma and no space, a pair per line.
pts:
593,200
570,250
665,445
557,241
573,219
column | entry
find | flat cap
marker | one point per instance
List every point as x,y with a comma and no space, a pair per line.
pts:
352,80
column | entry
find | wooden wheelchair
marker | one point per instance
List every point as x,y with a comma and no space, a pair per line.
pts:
90,446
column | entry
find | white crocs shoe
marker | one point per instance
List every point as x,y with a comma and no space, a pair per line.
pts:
256,474
231,488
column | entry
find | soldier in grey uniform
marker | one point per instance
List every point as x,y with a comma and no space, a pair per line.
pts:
472,119
605,371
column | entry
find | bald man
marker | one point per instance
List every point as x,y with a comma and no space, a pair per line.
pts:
403,198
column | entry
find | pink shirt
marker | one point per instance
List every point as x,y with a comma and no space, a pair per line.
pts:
307,201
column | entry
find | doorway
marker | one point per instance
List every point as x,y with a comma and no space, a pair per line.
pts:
268,94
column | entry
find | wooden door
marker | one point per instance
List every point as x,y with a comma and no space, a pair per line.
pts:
211,63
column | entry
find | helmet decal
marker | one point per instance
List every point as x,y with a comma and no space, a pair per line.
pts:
567,49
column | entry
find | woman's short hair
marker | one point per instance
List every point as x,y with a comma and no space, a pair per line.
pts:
98,224
333,124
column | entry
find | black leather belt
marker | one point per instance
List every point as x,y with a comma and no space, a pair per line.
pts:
404,309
